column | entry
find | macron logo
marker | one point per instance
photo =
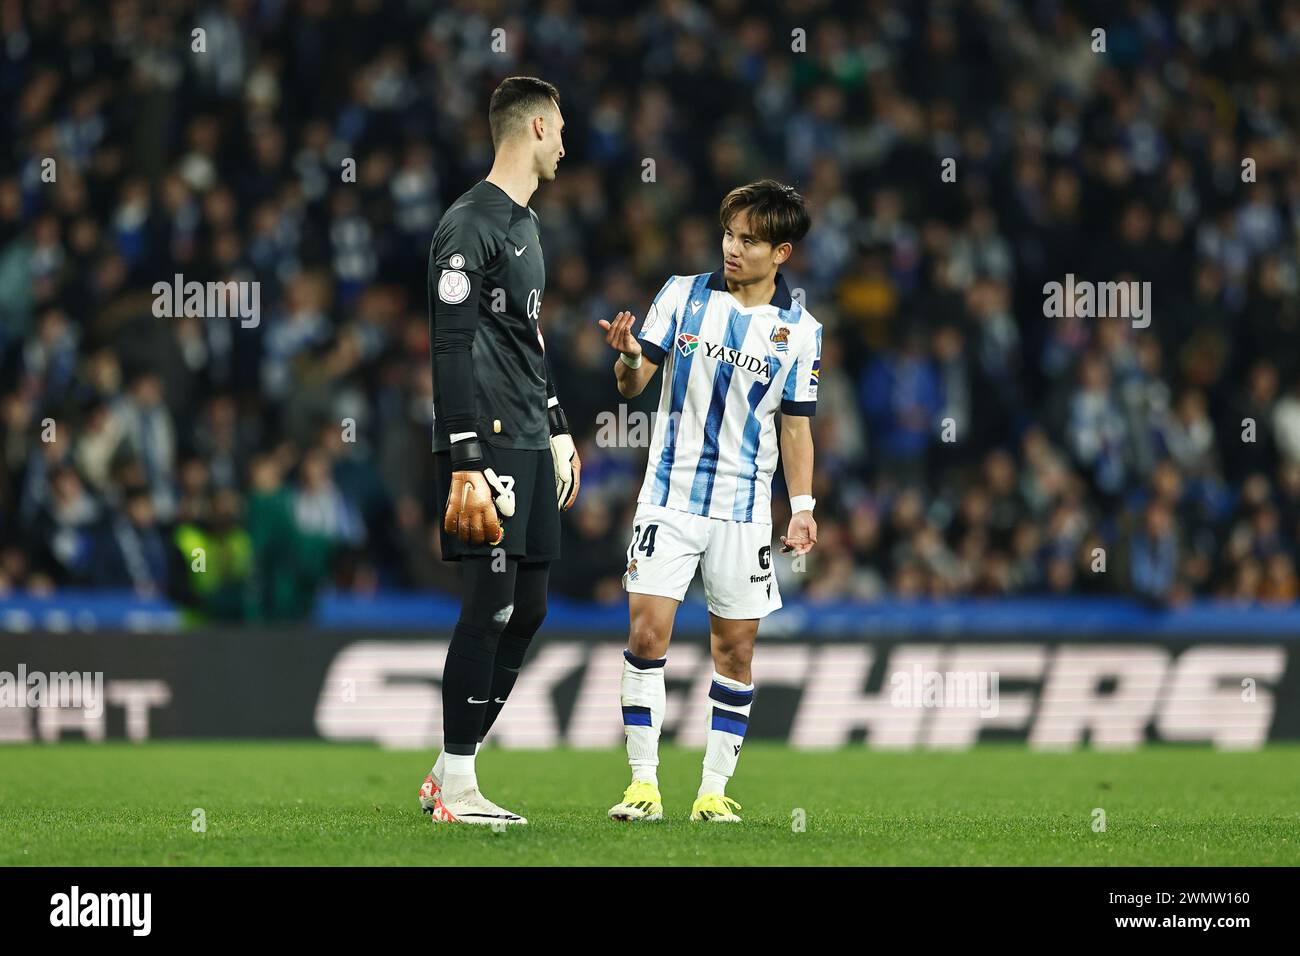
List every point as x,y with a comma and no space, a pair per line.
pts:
103,909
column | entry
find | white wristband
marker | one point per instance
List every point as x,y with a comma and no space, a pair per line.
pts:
628,362
800,503
462,436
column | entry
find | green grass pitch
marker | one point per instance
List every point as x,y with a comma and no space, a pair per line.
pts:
293,804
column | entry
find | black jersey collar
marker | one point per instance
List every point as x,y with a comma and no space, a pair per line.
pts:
780,298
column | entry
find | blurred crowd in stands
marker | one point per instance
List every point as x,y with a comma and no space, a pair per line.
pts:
1087,455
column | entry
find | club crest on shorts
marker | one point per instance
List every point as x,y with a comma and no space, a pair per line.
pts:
631,570
781,338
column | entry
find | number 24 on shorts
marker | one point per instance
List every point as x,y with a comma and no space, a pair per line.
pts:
644,542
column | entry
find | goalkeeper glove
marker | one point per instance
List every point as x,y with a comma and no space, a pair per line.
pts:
564,456
469,514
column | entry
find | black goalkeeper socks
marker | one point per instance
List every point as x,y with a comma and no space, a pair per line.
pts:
467,687
509,661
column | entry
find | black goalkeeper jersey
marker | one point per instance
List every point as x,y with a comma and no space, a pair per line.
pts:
486,280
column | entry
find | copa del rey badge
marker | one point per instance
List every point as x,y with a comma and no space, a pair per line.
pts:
453,285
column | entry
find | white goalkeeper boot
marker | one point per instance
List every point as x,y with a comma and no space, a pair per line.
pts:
470,806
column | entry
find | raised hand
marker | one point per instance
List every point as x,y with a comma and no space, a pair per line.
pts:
618,334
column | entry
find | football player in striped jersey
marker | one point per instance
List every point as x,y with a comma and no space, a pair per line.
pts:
736,349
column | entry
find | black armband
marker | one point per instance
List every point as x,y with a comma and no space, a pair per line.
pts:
559,421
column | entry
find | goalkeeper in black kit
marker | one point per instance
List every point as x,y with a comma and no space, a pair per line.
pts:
505,463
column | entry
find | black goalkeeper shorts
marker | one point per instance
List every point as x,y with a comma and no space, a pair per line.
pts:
533,533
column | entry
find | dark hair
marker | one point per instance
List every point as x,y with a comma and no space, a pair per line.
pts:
777,213
517,100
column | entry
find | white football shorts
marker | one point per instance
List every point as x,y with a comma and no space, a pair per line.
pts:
736,556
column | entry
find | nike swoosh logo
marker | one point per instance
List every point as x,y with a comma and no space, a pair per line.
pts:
499,700
520,252
473,701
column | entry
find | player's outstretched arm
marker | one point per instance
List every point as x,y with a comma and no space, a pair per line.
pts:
797,463
632,369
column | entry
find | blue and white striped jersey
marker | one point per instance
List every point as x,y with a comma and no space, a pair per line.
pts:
726,372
